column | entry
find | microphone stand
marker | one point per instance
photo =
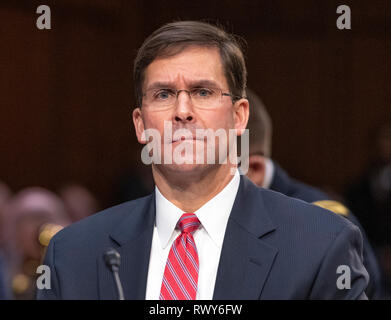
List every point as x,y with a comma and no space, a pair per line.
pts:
113,260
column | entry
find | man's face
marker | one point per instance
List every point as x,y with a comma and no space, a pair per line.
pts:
192,68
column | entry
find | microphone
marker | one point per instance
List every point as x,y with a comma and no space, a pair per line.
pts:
113,261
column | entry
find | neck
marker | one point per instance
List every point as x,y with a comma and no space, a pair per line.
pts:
191,190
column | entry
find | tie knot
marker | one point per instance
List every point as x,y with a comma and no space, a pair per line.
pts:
188,223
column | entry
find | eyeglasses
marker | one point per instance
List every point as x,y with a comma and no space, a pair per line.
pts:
205,98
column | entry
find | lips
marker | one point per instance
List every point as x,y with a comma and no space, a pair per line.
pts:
184,139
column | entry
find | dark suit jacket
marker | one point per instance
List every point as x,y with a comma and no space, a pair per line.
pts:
282,182
275,247
3,288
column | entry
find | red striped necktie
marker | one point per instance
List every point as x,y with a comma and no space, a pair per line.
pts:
181,273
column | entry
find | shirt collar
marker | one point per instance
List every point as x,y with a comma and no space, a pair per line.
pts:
213,215
167,216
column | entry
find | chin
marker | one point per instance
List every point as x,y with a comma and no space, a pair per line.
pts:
187,168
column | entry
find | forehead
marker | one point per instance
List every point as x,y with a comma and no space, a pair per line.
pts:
188,66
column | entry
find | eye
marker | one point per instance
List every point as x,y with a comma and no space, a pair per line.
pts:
163,94
203,92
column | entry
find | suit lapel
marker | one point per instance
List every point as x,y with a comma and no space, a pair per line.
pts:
245,259
133,239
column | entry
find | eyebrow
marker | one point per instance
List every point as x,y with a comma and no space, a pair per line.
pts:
192,84
160,85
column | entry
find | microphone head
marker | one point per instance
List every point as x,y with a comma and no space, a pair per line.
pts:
112,258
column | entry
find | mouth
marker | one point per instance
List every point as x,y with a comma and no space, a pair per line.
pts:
189,138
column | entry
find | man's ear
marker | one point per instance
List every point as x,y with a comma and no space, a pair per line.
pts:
138,125
256,169
242,109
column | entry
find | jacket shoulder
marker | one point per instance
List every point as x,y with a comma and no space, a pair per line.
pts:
294,214
102,222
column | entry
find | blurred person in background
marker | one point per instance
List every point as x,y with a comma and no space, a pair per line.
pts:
5,194
31,218
370,198
79,201
3,287
265,172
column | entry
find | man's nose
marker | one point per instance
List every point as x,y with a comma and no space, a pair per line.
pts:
184,108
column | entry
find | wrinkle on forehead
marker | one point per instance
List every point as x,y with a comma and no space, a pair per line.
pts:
191,65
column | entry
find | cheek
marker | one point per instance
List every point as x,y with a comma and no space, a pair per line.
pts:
221,119
155,120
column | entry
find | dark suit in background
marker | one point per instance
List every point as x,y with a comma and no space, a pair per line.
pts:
282,182
3,287
275,247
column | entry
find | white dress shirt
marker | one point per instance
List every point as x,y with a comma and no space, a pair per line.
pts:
209,238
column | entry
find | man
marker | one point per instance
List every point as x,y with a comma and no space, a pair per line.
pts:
27,214
266,173
78,200
205,232
369,196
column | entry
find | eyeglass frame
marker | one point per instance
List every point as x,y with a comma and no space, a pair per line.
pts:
177,92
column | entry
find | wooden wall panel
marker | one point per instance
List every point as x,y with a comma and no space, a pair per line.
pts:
25,114
67,93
